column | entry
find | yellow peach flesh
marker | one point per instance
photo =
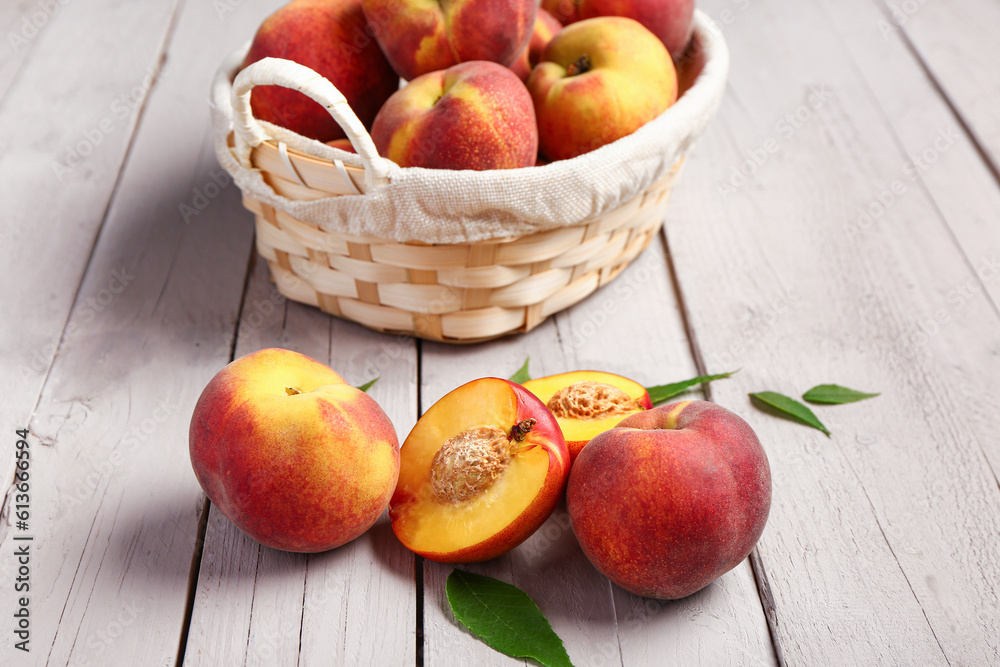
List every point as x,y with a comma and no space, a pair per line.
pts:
434,526
495,406
580,431
429,524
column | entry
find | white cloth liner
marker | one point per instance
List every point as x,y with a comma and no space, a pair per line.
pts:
452,206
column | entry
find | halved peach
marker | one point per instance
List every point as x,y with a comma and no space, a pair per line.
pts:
588,403
482,469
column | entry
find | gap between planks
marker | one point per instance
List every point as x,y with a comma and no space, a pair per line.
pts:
133,133
935,82
756,564
959,118
199,545
418,562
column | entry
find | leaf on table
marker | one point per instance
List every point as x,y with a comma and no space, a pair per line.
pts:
833,394
663,392
504,617
367,385
522,375
787,407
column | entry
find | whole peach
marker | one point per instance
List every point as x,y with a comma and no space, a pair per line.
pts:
565,11
328,36
598,81
475,115
420,36
546,26
289,452
670,20
670,499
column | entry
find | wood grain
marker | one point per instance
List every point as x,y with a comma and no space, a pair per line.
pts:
862,548
115,504
941,157
632,328
837,223
353,605
22,23
53,212
956,42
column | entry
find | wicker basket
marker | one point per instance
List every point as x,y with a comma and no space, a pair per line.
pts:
446,292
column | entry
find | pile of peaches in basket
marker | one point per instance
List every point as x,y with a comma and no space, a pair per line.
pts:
491,84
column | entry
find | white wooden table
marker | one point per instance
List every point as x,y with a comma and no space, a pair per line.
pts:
840,222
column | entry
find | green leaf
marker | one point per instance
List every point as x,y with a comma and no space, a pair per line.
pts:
504,617
521,376
663,392
787,407
367,385
834,394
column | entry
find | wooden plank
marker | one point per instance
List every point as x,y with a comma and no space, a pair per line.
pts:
631,327
940,156
249,599
956,40
62,144
879,546
116,505
353,605
878,542
22,24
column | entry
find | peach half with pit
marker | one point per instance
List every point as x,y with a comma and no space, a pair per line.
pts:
588,403
482,469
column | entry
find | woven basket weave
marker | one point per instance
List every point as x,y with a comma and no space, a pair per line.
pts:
464,292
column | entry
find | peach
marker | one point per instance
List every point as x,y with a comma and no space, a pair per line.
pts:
672,21
565,11
587,403
343,144
546,26
418,36
482,469
475,115
670,499
598,81
294,456
328,36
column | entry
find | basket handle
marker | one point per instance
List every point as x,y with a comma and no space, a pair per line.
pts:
280,72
